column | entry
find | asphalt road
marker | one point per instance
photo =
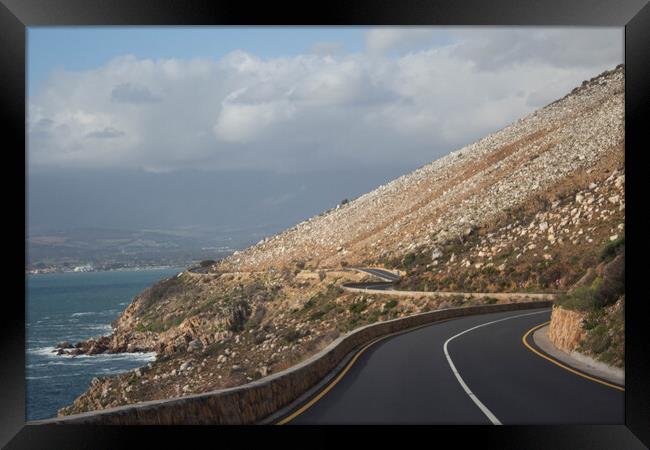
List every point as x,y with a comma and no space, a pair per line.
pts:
388,277
408,378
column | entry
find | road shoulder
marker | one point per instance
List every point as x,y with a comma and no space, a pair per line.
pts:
577,360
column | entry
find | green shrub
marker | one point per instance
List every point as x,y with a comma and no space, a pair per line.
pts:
357,307
373,316
317,315
390,304
309,303
612,286
581,299
408,260
612,248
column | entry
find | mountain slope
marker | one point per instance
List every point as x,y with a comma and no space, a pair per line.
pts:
464,189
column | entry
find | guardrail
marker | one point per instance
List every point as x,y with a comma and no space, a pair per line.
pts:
254,401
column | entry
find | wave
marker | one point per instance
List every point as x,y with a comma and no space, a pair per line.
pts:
86,313
42,351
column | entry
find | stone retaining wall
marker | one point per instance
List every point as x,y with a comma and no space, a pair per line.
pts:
252,402
565,330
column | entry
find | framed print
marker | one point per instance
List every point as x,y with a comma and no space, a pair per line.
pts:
393,221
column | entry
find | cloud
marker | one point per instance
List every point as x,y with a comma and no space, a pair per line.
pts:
381,40
312,110
558,47
326,48
127,93
106,133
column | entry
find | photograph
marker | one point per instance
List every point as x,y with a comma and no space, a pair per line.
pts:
356,224
211,208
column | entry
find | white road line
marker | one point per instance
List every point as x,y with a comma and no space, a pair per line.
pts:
466,388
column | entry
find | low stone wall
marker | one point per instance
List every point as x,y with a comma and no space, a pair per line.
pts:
252,402
430,294
565,330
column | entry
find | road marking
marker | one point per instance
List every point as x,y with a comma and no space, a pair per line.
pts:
558,363
466,388
338,378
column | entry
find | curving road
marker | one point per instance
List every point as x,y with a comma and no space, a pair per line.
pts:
471,370
389,279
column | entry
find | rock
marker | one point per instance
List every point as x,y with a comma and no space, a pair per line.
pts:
613,237
579,198
138,372
543,226
194,346
435,254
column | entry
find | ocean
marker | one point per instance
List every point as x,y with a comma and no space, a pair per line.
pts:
72,307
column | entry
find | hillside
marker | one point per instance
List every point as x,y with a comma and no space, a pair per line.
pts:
528,208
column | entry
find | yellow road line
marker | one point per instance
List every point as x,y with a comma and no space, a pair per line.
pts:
557,363
338,378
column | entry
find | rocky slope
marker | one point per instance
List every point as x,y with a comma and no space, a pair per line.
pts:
460,191
526,208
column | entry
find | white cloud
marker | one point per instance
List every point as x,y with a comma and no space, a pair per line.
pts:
312,110
381,40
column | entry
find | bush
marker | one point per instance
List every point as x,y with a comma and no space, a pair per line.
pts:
612,248
207,262
373,316
408,260
290,335
581,298
317,315
390,304
357,307
613,283
162,289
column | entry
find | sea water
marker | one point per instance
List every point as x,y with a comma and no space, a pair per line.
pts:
73,307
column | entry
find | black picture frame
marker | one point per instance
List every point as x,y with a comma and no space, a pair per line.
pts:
16,15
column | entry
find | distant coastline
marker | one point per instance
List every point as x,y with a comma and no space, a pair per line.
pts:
101,269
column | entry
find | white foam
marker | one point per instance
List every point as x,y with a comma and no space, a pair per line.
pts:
87,313
43,351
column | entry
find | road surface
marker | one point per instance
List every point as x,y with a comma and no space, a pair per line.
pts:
388,277
471,370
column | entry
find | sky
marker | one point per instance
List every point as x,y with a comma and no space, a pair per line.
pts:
296,117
